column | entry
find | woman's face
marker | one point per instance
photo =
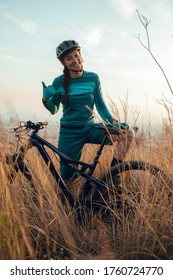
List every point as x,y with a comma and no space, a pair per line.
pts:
73,61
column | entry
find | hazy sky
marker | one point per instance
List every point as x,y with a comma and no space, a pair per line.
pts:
107,32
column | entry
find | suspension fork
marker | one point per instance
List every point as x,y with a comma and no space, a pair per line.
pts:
16,162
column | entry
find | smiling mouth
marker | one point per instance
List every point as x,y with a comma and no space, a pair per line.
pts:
77,65
76,68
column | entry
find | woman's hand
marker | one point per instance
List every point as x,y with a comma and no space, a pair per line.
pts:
122,125
48,91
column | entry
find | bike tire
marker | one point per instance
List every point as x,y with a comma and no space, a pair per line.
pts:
139,165
25,171
131,184
17,165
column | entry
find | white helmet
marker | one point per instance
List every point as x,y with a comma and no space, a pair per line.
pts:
65,47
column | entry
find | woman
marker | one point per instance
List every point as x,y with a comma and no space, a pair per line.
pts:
78,91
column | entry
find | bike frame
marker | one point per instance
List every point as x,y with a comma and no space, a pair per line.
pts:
40,144
82,168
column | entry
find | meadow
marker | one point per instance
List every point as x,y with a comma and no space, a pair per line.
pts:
48,230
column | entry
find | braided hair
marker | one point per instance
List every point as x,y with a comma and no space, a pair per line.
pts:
66,84
66,78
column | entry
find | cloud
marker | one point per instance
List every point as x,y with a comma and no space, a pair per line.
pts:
2,6
124,7
19,60
163,9
93,37
26,25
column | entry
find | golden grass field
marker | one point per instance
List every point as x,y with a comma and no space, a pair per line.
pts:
49,231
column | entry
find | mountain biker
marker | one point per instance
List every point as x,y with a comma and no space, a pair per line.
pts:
78,91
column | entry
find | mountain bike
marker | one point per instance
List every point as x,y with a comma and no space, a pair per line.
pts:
96,193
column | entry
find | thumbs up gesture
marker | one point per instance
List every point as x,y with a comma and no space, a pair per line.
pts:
48,91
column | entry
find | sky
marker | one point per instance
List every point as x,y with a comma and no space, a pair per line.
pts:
107,31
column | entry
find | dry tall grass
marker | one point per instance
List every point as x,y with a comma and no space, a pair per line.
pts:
48,230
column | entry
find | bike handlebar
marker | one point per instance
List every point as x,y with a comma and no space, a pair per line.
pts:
35,127
29,125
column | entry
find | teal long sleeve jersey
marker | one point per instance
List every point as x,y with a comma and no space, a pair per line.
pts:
84,93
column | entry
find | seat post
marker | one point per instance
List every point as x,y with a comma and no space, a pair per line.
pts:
99,151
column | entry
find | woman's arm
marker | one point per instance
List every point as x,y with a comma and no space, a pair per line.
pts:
100,104
52,104
51,99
